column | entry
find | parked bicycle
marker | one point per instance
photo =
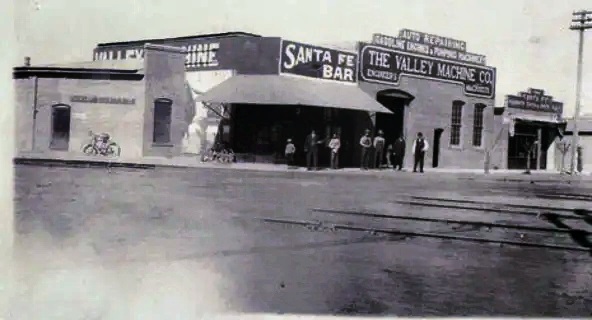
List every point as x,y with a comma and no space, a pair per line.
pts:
101,144
219,154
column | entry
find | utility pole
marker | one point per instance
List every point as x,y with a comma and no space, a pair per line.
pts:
581,21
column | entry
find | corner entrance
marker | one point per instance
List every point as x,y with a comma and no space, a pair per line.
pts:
259,132
393,125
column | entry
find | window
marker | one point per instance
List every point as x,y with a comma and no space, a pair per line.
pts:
60,127
162,121
478,125
456,123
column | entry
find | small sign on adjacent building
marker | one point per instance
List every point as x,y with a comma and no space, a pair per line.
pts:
535,100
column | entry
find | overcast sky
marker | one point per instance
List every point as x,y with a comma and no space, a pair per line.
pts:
528,41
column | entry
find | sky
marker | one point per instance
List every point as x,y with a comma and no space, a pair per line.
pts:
528,41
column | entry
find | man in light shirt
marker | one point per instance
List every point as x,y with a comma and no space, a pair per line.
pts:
379,143
334,145
420,146
366,143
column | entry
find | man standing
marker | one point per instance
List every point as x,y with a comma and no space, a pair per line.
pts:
290,150
379,143
366,144
399,153
334,145
420,146
311,147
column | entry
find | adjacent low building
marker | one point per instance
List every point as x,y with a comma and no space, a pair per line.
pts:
564,155
141,105
527,129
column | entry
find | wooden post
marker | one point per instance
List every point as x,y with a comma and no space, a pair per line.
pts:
539,148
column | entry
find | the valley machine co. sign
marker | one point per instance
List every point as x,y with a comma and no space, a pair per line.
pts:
318,62
385,65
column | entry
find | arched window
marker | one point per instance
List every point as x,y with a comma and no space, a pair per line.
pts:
478,124
60,127
456,123
162,120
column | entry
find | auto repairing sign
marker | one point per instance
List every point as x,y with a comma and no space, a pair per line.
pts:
383,65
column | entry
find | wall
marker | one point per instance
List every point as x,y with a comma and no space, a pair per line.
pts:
585,140
499,149
203,128
431,109
246,55
122,122
165,78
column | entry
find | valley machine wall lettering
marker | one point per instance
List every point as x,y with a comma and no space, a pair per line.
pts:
536,100
316,62
428,49
386,66
199,55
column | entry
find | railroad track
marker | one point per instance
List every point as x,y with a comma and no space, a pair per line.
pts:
500,208
580,237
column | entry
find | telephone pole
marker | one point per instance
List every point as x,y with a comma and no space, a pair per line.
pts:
581,21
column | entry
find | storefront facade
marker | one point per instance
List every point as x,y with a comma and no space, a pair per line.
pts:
435,87
253,93
140,105
529,141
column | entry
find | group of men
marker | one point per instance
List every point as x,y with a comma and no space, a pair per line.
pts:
374,149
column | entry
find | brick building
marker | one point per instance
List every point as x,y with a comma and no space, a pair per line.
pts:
142,105
253,92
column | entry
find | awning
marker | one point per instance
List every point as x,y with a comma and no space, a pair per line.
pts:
288,90
535,118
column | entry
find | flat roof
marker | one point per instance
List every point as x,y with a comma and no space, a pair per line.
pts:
128,64
201,36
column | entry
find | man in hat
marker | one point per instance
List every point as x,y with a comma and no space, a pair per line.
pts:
366,143
420,146
379,143
398,153
311,147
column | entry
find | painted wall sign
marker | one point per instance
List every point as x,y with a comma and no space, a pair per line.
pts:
200,54
382,65
536,100
317,62
427,49
105,100
433,40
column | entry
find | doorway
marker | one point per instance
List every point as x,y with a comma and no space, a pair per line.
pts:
436,152
60,127
393,125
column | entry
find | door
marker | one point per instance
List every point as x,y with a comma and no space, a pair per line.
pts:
60,127
436,151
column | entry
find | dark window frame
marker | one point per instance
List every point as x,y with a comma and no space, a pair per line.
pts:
455,138
478,124
53,142
162,121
